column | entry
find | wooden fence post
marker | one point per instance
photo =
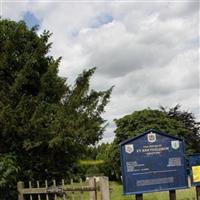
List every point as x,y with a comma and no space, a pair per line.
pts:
92,183
20,187
172,194
104,188
198,192
54,185
139,196
46,186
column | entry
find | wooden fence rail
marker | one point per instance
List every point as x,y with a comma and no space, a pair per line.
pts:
52,192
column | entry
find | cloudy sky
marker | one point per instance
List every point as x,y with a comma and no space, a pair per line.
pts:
149,50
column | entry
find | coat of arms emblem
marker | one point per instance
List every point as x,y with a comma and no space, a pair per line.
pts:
151,137
175,144
129,148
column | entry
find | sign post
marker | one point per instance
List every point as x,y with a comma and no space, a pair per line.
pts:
139,196
198,192
172,195
194,161
151,162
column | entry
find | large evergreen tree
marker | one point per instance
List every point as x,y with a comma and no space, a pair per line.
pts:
44,123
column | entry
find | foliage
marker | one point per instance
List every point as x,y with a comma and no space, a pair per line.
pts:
90,153
139,122
45,123
103,151
93,161
86,168
112,163
96,152
8,172
192,138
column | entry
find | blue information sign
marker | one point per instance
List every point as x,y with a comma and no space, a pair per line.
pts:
153,161
194,161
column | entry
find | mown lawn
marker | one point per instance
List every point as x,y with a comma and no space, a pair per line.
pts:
116,194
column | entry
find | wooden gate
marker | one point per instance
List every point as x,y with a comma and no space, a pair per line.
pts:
74,191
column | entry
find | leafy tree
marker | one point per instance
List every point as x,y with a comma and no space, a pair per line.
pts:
44,123
111,161
102,151
93,161
8,171
96,152
90,153
192,138
139,122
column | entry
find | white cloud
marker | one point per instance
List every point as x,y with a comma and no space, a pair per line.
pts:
149,51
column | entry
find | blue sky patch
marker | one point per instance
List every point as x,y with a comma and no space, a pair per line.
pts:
102,19
31,20
74,34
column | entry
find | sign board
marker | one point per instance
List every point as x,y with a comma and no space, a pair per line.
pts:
153,161
194,161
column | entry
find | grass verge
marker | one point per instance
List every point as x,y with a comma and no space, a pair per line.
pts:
116,194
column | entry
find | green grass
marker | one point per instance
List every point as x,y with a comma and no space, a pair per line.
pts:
116,194
91,162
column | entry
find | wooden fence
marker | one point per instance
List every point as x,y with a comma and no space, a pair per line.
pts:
63,191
